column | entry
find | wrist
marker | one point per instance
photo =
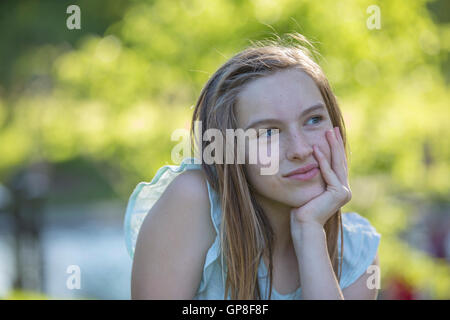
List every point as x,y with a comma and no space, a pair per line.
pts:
307,232
309,225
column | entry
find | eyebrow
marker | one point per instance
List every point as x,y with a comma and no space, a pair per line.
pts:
314,107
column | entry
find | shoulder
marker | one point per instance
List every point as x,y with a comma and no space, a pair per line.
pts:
361,242
189,186
184,203
174,239
355,225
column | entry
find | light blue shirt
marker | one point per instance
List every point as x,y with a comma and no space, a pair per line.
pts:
361,239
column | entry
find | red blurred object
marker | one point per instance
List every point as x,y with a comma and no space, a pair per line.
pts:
399,289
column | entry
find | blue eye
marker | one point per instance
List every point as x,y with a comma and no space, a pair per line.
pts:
269,132
317,117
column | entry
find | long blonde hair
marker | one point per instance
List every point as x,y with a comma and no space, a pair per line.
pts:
245,233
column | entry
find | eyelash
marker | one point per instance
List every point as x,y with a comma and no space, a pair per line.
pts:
314,117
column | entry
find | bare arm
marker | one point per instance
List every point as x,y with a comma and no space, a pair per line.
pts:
316,271
173,241
363,288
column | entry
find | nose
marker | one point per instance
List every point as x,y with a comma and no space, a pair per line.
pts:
299,147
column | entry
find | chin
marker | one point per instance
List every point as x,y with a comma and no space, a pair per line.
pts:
293,196
304,195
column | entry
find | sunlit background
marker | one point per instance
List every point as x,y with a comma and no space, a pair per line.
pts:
87,114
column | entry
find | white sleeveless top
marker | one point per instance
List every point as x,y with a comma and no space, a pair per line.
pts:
361,239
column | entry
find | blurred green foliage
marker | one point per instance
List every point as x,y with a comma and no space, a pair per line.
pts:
114,91
24,295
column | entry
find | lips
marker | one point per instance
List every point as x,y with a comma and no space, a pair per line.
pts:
301,170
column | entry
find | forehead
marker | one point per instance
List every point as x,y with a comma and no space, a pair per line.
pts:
282,95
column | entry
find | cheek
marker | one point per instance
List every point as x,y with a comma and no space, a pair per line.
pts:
321,141
262,183
253,175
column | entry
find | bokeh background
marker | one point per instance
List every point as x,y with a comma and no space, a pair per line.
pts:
87,114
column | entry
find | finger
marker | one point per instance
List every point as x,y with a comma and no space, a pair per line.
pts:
328,173
341,143
337,156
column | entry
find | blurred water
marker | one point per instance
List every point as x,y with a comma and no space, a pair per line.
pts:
6,266
88,236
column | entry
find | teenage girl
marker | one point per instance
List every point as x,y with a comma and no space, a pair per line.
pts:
225,231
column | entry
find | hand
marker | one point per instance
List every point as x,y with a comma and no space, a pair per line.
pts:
318,210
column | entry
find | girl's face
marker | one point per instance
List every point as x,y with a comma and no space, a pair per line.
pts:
286,97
